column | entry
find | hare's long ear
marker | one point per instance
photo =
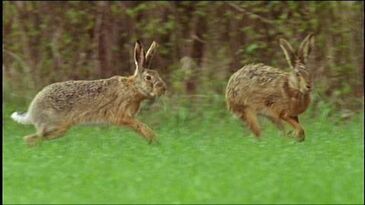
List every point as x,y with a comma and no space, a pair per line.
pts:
138,57
288,51
305,48
150,53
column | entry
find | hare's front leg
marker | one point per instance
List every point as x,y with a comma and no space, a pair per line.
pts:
139,127
294,121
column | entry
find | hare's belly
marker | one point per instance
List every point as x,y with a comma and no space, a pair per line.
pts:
95,122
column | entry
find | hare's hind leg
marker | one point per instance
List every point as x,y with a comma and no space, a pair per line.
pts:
44,133
32,139
55,133
36,138
250,117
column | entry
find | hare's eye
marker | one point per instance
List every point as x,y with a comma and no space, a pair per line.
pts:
148,77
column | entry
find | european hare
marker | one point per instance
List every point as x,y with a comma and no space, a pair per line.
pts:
281,96
115,100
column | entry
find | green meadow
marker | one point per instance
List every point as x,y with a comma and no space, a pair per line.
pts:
204,156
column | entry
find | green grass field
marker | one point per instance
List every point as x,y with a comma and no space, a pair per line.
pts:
204,157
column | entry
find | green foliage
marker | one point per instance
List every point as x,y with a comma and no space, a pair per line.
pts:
81,40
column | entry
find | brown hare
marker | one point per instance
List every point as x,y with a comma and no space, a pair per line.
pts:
281,96
116,100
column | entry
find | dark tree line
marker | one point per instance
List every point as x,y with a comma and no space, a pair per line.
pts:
201,43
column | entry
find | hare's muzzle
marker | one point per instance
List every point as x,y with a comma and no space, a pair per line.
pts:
160,88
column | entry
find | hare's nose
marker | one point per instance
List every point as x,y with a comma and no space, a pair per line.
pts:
308,86
159,84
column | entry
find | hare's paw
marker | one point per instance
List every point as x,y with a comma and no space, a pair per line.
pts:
300,139
149,134
32,140
297,134
300,136
252,137
154,140
290,134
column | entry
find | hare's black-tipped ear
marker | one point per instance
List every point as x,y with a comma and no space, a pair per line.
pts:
288,51
150,53
139,57
305,48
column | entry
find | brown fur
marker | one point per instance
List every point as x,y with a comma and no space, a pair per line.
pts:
281,96
115,100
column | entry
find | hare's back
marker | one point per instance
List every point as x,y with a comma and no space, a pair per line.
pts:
67,95
253,81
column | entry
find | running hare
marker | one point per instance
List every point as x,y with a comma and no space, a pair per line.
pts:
115,100
281,96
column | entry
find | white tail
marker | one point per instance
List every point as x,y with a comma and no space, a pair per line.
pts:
21,118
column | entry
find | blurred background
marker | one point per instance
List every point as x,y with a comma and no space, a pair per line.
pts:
201,45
